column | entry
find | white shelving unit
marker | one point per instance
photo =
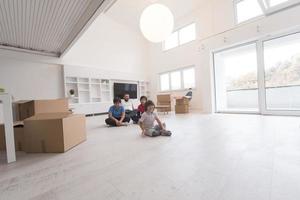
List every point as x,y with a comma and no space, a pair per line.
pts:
93,88
88,93
144,88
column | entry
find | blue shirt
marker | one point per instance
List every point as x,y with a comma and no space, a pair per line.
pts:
116,112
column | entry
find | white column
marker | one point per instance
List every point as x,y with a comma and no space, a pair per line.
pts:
8,127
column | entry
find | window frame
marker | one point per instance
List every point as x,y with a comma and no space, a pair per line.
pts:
178,37
235,3
171,79
281,6
160,82
164,43
180,43
266,9
261,73
181,70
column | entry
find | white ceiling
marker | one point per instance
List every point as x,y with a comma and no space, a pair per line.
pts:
50,27
44,26
128,11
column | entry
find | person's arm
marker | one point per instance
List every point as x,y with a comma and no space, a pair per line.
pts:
159,123
122,117
141,124
112,117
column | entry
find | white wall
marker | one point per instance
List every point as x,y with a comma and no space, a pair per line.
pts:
111,46
31,80
216,29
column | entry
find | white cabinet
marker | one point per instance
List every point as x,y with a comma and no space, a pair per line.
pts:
90,89
144,89
88,95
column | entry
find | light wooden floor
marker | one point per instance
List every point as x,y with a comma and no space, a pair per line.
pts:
209,157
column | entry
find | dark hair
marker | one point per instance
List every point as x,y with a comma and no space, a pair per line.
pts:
149,103
143,97
117,100
126,94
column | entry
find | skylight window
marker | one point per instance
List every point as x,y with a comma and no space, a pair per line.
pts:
187,34
172,41
250,9
272,3
180,37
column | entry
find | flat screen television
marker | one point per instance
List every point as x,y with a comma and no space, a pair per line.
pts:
125,88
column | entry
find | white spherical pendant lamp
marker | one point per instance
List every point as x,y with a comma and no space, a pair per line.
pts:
156,22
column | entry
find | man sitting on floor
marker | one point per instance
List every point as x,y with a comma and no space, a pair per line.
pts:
129,108
116,116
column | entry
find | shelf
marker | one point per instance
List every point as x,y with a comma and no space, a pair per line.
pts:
95,81
71,79
85,80
89,91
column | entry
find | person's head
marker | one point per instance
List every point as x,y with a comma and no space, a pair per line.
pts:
143,99
126,97
190,89
117,101
149,106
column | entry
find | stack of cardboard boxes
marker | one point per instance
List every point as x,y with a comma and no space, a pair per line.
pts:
45,126
182,105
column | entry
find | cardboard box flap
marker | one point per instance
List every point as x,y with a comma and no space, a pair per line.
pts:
49,116
51,106
18,124
26,108
22,101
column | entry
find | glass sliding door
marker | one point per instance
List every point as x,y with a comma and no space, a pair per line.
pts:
282,74
236,85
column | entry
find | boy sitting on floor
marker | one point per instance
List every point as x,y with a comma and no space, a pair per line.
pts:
116,114
147,122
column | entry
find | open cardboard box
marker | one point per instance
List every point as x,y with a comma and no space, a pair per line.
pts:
53,132
25,109
181,109
182,101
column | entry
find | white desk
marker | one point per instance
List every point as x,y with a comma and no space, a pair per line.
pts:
5,99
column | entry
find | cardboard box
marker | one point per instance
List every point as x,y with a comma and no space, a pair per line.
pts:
53,132
26,109
181,109
23,109
182,101
2,138
19,137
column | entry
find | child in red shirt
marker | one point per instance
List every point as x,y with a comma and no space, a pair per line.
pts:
141,107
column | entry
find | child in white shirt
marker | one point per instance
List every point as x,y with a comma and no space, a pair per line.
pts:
147,122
